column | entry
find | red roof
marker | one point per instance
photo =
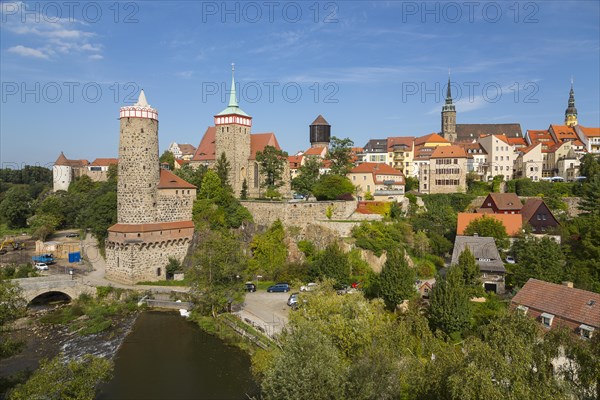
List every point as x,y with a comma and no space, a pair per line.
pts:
563,132
590,132
258,142
567,303
102,162
503,201
378,169
431,138
295,161
159,226
186,149
518,142
316,151
400,140
452,151
206,148
62,160
527,149
512,222
320,121
169,180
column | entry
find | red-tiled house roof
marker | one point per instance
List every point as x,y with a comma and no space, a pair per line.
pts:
295,161
406,141
562,133
187,149
512,222
572,307
503,202
103,162
379,169
431,138
452,151
258,142
62,160
169,180
470,132
316,151
589,132
537,214
517,142
320,121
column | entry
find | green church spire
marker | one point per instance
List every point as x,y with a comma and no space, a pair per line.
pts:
232,98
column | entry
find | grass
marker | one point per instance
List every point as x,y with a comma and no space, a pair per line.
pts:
6,231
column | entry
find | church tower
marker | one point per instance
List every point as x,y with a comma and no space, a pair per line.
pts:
449,117
571,111
320,132
232,137
138,163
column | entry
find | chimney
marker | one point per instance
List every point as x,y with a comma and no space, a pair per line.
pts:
568,284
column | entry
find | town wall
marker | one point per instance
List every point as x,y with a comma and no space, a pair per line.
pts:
298,213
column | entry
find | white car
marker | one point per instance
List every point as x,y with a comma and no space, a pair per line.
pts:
308,287
41,266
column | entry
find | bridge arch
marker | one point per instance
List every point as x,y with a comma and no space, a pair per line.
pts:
55,295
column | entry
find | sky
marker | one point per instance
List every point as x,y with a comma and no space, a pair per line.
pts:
372,69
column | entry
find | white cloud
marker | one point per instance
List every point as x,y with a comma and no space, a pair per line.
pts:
184,74
28,52
95,57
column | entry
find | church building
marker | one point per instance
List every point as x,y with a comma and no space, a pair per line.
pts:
231,135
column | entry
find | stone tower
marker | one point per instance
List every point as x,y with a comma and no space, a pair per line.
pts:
320,132
154,206
449,117
232,137
571,111
138,163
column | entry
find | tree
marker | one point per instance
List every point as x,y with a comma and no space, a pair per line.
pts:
212,188
272,164
244,192
590,198
83,184
340,155
538,258
450,307
75,379
421,244
308,366
218,273
12,307
168,158
331,263
590,166
412,183
397,280
172,267
469,268
308,175
193,175
488,227
15,208
332,187
222,167
269,250
43,225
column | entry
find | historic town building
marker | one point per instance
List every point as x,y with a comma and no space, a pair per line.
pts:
231,135
154,206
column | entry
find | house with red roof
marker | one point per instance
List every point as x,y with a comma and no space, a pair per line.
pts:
554,305
445,171
536,213
231,135
383,182
64,171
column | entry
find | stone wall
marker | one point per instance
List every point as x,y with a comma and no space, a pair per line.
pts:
175,204
298,213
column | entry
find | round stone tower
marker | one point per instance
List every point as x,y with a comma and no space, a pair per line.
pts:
139,170
320,132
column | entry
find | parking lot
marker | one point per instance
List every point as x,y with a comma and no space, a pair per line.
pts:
268,311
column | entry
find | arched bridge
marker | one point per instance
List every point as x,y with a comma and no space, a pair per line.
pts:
33,287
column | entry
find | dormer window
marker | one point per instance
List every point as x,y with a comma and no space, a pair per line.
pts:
586,331
547,319
522,309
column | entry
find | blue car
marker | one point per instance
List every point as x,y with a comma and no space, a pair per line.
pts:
280,287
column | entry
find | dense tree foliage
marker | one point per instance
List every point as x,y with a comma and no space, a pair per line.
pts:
222,167
193,175
272,163
16,207
269,251
397,280
538,258
340,156
488,227
308,175
27,175
332,262
12,306
167,158
55,379
450,307
332,187
378,236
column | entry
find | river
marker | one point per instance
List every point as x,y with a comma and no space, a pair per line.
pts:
166,356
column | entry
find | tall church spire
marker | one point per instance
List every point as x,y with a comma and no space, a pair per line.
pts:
571,111
449,115
232,97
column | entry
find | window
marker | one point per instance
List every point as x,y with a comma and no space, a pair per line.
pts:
547,319
522,309
586,331
158,271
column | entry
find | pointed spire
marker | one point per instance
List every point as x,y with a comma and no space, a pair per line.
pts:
142,102
449,91
232,97
571,111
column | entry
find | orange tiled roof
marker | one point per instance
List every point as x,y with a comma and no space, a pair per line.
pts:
316,151
62,160
295,161
453,151
431,138
517,141
102,162
567,303
527,149
258,142
563,132
590,132
380,168
400,140
159,226
206,148
169,180
512,222
504,201
187,149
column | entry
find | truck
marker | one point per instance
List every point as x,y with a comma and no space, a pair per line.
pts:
44,258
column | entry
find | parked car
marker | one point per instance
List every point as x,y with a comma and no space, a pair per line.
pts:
510,260
293,300
41,266
308,287
280,287
250,287
298,196
72,235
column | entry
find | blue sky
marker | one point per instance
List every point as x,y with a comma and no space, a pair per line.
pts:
373,69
